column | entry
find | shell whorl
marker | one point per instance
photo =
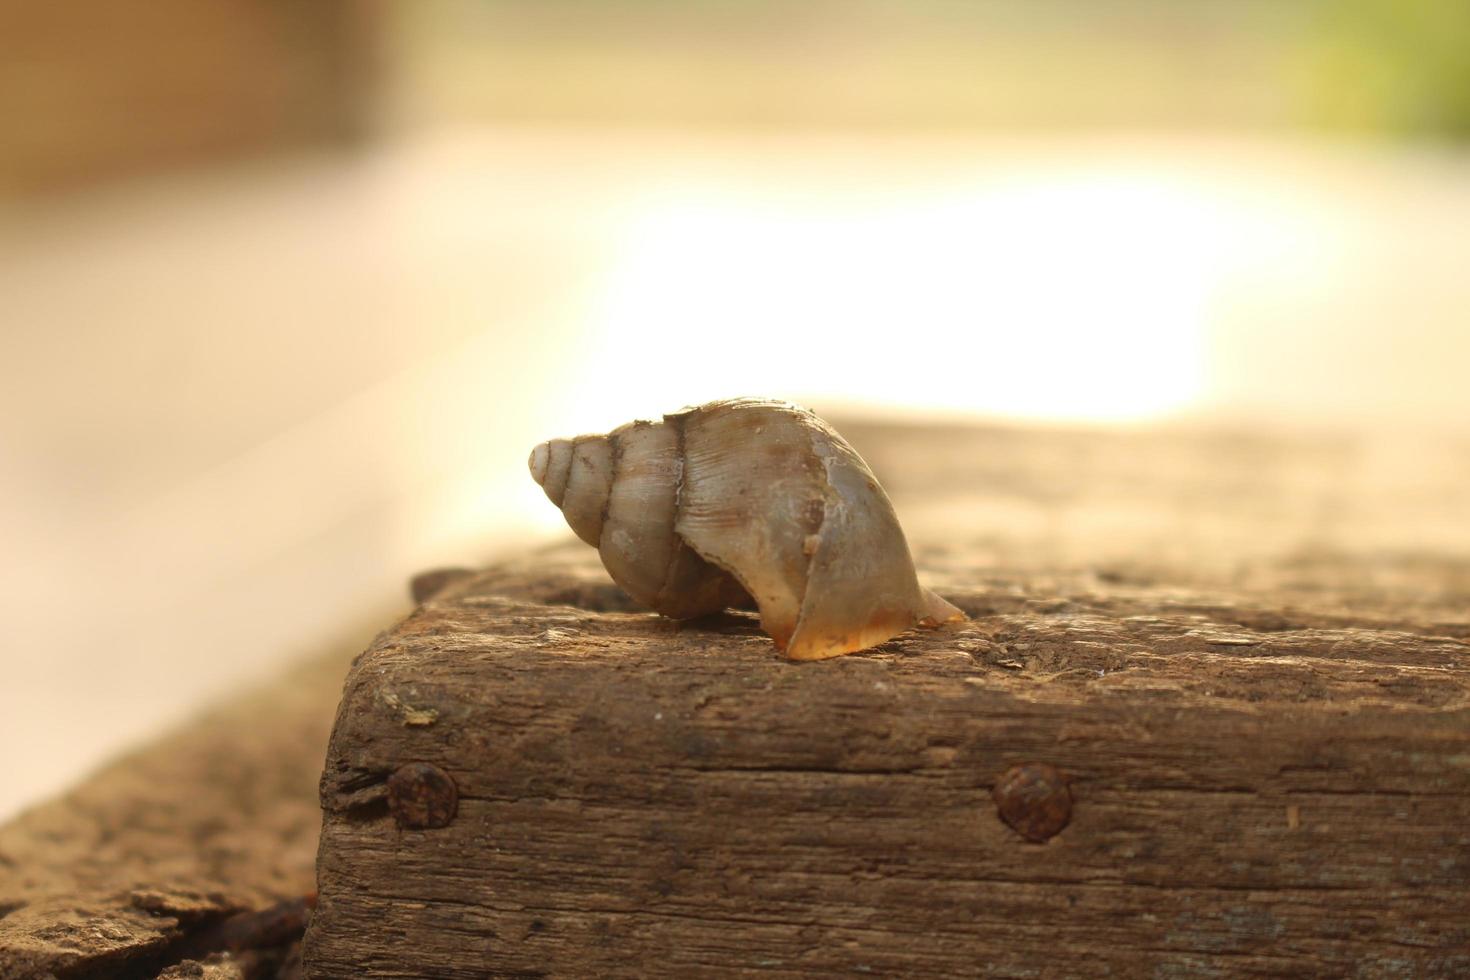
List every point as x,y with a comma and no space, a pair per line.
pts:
744,500
619,492
577,476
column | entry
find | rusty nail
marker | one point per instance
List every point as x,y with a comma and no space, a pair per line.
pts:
425,585
422,796
1033,800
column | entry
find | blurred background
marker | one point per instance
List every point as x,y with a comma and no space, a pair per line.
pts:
287,291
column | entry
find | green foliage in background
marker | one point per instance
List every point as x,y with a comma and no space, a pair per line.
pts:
1396,66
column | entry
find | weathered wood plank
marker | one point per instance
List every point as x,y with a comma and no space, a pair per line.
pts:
141,866
1188,568
639,798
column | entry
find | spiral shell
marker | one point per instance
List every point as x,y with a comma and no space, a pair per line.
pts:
740,501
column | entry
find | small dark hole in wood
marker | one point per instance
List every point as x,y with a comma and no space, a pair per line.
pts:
375,809
365,779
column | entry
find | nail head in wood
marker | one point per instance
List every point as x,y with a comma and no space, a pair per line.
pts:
1033,800
422,796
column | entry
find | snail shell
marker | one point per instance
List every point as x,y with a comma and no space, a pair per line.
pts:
744,500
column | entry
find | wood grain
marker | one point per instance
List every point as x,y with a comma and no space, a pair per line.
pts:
1247,653
124,875
1274,798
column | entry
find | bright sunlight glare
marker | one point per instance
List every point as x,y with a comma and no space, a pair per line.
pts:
1062,296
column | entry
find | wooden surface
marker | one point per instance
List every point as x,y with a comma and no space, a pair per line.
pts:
638,798
1247,654
137,870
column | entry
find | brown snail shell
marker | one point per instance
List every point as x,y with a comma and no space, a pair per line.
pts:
744,500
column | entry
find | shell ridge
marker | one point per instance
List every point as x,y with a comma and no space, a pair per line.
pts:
615,464
730,539
830,499
828,493
588,487
558,470
678,419
676,425
892,603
